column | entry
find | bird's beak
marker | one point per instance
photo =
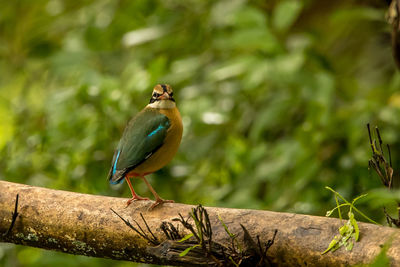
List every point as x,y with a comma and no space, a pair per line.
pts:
164,96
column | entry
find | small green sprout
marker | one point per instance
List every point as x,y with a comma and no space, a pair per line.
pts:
349,231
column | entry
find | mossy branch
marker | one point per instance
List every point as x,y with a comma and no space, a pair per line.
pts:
85,224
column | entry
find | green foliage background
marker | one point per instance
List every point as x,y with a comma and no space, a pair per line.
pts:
275,98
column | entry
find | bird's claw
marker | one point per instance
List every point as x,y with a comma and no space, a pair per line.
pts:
160,201
136,198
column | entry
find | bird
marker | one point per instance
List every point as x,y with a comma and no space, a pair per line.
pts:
149,142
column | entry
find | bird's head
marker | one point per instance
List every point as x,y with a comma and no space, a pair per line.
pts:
162,97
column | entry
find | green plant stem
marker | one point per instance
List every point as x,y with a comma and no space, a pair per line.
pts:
351,205
338,207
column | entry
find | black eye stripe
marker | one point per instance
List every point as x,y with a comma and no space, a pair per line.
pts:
157,94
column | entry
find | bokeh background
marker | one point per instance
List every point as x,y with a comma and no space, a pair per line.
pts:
275,98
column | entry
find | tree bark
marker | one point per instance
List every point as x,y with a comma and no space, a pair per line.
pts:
85,224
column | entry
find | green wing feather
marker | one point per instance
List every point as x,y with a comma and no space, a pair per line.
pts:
143,135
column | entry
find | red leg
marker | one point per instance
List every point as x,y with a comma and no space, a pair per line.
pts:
159,200
134,195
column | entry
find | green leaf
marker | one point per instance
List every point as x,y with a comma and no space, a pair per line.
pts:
186,251
349,245
285,14
234,263
186,237
343,229
226,227
332,245
355,226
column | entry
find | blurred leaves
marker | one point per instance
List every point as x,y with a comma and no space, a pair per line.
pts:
6,123
274,97
285,13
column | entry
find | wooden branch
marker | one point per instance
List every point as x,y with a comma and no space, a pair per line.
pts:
84,224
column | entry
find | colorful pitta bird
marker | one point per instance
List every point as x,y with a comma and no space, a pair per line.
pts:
149,142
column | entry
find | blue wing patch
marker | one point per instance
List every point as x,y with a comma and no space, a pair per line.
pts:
159,128
115,163
114,170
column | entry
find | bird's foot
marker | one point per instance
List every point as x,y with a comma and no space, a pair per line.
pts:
160,201
136,198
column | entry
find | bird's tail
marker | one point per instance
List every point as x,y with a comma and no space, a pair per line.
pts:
116,177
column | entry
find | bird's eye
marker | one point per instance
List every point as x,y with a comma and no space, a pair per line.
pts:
156,95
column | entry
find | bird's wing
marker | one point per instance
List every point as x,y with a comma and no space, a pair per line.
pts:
144,135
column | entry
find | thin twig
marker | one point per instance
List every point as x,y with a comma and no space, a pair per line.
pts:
188,226
271,241
380,140
170,231
370,138
166,230
128,223
142,233
14,216
390,155
148,229
141,229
